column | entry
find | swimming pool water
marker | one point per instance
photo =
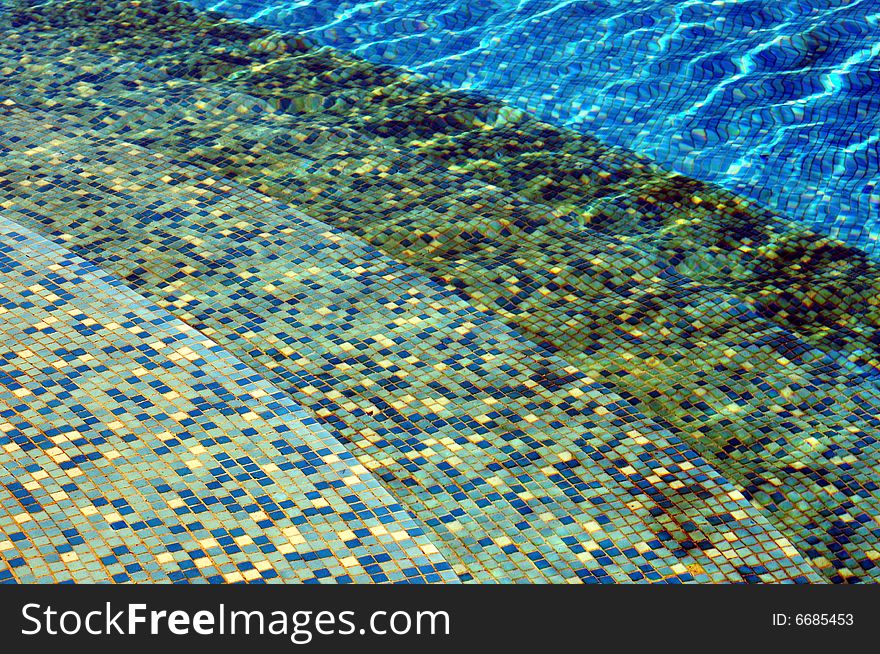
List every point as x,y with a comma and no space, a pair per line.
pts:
775,100
273,312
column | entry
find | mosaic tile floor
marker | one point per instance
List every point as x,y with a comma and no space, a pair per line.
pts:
544,359
137,449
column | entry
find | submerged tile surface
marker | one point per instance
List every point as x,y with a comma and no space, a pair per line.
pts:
136,449
566,363
524,467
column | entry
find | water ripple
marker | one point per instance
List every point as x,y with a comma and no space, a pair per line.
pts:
775,100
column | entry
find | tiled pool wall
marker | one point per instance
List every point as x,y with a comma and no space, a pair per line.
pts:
508,351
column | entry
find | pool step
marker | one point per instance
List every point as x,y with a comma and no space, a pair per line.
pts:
524,468
787,418
816,287
135,449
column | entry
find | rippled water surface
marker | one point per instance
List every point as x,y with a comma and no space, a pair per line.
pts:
776,100
273,312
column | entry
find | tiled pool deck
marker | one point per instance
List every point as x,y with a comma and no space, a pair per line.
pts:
361,329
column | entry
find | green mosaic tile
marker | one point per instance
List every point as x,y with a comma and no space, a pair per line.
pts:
567,363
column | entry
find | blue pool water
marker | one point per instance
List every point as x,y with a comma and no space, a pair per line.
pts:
775,100
273,313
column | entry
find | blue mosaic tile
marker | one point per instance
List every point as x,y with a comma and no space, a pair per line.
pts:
774,100
563,363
